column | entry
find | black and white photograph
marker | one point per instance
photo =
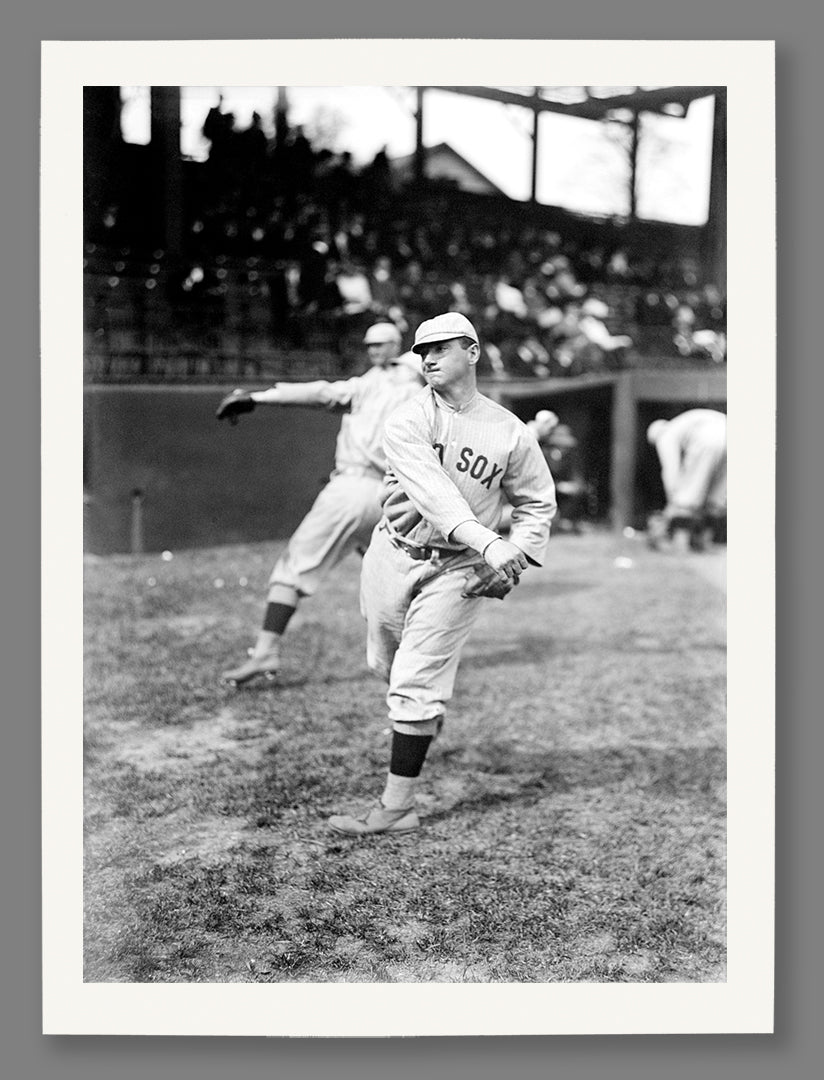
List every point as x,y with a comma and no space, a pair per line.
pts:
401,653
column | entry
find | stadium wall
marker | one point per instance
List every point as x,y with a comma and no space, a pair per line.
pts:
200,482
159,472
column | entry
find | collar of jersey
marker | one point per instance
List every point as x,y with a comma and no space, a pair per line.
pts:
439,401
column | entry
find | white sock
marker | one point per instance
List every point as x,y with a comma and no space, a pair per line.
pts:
266,643
399,793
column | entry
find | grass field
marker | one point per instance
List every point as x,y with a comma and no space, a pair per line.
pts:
573,810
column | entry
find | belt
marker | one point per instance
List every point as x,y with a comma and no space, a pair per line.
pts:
420,552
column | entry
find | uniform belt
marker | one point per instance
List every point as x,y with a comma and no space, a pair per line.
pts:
420,552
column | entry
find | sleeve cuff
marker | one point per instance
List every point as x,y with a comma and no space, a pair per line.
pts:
266,397
474,535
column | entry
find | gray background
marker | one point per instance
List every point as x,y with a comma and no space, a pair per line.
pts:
797,1045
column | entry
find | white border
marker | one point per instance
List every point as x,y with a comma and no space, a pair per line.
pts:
745,1002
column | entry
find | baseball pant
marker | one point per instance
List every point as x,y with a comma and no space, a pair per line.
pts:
417,624
340,520
702,484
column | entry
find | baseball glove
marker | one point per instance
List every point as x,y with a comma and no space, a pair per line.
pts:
483,581
239,401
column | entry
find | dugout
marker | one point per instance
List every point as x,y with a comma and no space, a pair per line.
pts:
159,472
609,415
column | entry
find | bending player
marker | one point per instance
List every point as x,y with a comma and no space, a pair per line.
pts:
345,512
692,450
455,459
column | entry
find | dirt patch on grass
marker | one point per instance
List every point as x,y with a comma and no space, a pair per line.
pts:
180,750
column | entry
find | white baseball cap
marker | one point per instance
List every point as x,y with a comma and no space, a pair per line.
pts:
382,333
442,328
546,416
655,430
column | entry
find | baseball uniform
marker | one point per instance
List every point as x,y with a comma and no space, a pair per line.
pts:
445,467
692,449
345,512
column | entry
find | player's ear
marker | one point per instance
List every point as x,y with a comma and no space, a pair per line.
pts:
474,353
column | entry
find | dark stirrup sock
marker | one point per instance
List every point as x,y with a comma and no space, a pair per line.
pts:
408,753
277,617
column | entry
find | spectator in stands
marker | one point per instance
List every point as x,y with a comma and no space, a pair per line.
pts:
538,308
376,182
353,285
592,323
583,341
534,357
698,344
252,147
563,285
382,286
510,300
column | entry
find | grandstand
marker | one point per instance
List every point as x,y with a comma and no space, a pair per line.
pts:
267,260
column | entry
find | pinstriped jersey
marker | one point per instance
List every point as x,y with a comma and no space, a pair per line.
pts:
369,399
456,465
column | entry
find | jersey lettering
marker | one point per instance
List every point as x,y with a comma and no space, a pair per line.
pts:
487,480
463,463
478,467
440,448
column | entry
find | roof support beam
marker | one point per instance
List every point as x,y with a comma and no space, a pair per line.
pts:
593,108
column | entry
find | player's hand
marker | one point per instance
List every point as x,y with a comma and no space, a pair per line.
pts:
239,401
507,560
484,581
400,513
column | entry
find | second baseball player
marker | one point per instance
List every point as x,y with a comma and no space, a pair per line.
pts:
343,515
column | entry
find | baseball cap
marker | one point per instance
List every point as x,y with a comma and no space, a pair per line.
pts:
655,430
382,333
442,328
546,416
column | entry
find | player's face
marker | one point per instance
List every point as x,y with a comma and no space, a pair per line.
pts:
380,354
447,363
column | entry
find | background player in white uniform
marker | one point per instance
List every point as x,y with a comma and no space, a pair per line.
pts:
692,450
454,460
543,424
344,514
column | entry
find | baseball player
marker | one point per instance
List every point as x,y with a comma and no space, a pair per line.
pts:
342,517
692,450
454,460
543,424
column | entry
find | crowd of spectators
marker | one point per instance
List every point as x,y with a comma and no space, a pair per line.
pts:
339,246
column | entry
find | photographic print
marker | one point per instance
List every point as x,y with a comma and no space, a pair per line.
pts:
405,656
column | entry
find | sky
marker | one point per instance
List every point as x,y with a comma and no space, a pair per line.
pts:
580,166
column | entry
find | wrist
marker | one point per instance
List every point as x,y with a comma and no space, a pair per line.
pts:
489,545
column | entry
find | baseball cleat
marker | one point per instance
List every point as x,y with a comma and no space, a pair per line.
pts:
264,665
378,820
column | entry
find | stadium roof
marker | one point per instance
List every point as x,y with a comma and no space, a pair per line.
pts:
591,102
